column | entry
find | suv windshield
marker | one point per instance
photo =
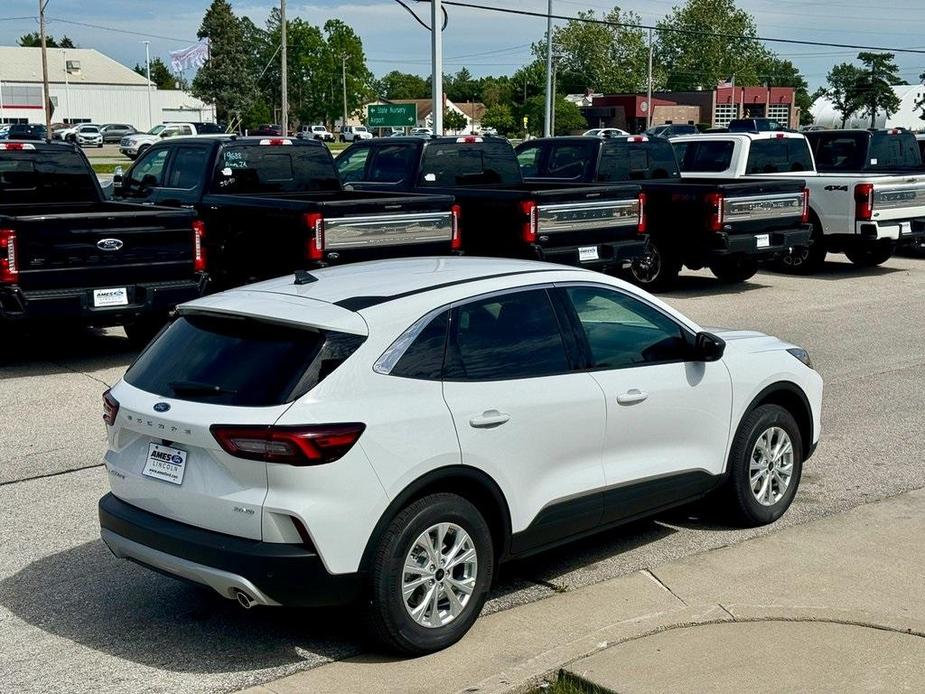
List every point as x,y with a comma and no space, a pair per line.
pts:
469,164
250,169
238,361
155,130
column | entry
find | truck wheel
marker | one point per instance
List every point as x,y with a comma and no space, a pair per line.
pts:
655,270
430,575
871,254
804,260
734,269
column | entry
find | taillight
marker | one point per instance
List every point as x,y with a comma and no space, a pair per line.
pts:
528,227
643,222
313,444
199,249
314,247
864,202
804,215
110,408
9,271
456,238
715,211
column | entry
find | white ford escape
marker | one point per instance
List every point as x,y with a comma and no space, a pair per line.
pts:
393,430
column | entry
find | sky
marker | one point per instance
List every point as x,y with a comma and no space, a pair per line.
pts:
484,42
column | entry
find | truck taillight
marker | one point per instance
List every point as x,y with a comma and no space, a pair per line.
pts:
804,215
864,202
313,444
314,246
530,223
455,238
715,211
199,249
110,408
643,222
9,270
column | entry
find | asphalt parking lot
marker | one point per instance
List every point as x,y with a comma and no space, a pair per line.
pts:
96,624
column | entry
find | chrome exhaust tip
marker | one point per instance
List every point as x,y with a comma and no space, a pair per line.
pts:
244,600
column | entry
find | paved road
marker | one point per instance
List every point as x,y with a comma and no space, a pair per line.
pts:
73,618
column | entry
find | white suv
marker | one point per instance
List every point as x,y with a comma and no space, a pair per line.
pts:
351,133
395,429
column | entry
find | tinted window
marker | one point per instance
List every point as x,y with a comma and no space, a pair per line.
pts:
189,164
232,361
571,160
392,163
838,151
424,356
623,332
505,337
893,151
768,156
469,164
709,156
352,165
149,169
626,161
257,169
529,160
52,177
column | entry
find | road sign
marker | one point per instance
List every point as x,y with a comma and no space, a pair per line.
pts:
392,115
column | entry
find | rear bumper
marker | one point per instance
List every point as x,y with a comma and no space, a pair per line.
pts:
609,254
748,244
905,231
77,303
269,573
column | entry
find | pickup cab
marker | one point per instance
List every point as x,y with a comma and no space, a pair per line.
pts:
274,205
601,226
865,151
726,225
68,255
134,144
863,215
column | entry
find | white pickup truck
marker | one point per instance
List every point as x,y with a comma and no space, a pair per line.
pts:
864,215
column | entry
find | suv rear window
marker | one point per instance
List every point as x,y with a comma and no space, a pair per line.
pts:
47,177
238,361
631,161
469,164
260,169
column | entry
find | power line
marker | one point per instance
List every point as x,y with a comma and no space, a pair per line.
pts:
120,31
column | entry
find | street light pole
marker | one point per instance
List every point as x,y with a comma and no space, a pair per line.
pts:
42,5
547,123
436,78
649,108
148,70
284,72
343,78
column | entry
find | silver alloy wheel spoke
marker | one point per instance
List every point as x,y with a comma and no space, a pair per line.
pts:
771,466
439,575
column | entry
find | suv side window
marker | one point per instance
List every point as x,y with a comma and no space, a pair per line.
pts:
423,359
503,337
623,332
148,171
352,165
391,164
569,160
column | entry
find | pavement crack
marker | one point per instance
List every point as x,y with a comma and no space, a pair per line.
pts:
723,608
650,574
83,373
50,474
557,587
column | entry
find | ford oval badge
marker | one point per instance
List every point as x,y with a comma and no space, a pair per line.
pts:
161,406
109,244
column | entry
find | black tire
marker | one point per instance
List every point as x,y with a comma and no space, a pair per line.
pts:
143,330
389,620
740,501
734,269
99,146
871,254
804,260
142,150
656,269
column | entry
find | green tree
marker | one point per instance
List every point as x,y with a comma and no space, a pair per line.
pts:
461,86
499,117
225,79
567,118
402,85
161,76
344,56
494,91
66,42
873,87
34,40
700,61
453,120
840,89
777,72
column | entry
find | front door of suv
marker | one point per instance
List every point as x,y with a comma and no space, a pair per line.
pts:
668,418
524,415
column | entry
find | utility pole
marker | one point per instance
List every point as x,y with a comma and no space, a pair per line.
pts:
649,108
547,123
148,69
67,86
343,78
552,112
436,78
42,5
284,72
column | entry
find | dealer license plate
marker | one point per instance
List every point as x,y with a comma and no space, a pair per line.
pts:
586,253
763,240
165,463
905,228
110,297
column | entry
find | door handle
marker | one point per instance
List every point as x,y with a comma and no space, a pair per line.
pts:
489,419
632,396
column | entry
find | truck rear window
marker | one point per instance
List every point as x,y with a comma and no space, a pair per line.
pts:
469,164
30,176
633,161
258,169
878,151
238,361
711,156
779,155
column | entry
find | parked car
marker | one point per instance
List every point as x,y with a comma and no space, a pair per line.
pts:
319,132
863,215
87,135
114,132
756,125
66,254
272,205
27,131
267,130
134,145
4,131
671,130
604,132
349,133
399,430
726,225
600,226
421,131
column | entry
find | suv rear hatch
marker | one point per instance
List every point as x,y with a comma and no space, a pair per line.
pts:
213,369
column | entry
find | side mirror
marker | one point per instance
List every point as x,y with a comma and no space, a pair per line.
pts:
708,347
117,175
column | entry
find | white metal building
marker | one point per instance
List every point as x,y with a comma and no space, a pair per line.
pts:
908,115
87,86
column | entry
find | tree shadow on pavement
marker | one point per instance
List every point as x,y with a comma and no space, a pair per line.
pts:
838,270
61,349
86,595
693,286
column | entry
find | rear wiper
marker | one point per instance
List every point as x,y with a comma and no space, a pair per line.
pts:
199,388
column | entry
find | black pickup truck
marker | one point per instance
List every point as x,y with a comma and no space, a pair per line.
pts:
726,225
865,151
68,255
601,226
273,205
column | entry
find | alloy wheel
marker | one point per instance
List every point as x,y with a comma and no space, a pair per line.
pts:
771,466
647,267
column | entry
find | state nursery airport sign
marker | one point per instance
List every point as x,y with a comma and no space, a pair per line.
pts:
392,115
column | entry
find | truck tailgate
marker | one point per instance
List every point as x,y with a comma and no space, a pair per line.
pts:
375,230
901,200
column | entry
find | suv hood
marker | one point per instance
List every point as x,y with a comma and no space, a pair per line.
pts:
748,340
